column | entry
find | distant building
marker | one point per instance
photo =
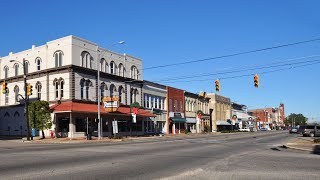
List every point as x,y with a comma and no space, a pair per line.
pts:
269,117
176,120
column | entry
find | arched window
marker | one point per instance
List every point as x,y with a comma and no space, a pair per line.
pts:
6,71
61,88
113,68
56,85
38,87
26,65
16,94
120,93
82,82
58,58
86,59
134,72
38,61
88,84
106,69
102,65
112,90
121,70
102,87
133,96
16,69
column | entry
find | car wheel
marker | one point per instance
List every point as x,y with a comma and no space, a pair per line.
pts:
311,135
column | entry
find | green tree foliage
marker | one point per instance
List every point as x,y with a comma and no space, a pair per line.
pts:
298,119
39,116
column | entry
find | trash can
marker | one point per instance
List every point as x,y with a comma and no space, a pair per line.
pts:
33,132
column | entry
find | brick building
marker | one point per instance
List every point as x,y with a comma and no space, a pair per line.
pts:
176,121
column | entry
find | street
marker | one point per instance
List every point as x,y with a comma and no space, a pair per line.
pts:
225,156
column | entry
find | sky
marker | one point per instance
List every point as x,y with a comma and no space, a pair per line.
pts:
162,32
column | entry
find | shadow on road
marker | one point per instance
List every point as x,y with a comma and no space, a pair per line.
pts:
316,149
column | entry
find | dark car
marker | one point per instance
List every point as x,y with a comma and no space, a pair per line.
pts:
309,130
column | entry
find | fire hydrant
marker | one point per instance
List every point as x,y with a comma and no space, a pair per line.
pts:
51,134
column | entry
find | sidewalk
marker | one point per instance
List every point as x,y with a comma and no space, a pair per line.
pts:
304,144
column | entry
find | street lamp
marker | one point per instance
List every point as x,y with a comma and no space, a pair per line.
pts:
26,99
100,133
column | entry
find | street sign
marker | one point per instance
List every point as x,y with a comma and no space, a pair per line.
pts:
115,127
134,117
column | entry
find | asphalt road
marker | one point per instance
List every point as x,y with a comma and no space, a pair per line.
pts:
237,156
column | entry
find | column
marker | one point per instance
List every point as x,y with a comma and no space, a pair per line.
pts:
72,127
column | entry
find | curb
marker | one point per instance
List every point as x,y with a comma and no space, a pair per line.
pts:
297,148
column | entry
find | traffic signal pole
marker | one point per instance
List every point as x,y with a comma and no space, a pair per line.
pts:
26,99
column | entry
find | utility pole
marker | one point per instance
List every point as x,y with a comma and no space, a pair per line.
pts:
26,103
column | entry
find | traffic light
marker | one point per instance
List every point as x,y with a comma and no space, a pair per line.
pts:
256,80
29,90
4,87
217,82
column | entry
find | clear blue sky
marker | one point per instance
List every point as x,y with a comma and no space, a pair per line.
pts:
171,31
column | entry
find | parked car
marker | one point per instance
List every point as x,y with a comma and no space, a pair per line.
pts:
293,130
263,129
245,129
309,130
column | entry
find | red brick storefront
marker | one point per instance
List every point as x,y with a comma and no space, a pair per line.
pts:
175,111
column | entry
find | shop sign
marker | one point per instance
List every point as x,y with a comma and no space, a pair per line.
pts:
110,104
176,114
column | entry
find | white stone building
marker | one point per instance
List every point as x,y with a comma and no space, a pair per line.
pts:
64,73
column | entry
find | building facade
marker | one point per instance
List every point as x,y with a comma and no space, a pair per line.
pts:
176,121
64,73
154,96
221,115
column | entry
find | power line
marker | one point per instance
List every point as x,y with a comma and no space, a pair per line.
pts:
234,54
270,65
251,74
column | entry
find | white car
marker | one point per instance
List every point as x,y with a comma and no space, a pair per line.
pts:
245,130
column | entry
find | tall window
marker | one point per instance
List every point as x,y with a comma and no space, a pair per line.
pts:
58,58
120,93
152,101
113,68
61,88
102,66
16,93
82,81
58,87
16,69
146,101
134,72
6,70
175,106
170,105
56,84
106,69
102,87
111,90
88,83
38,87
26,64
38,61
180,106
121,70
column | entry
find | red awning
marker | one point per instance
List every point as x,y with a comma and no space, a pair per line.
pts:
92,108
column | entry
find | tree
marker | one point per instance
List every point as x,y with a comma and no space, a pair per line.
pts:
39,116
297,119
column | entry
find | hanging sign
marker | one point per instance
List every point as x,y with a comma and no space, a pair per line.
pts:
110,104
